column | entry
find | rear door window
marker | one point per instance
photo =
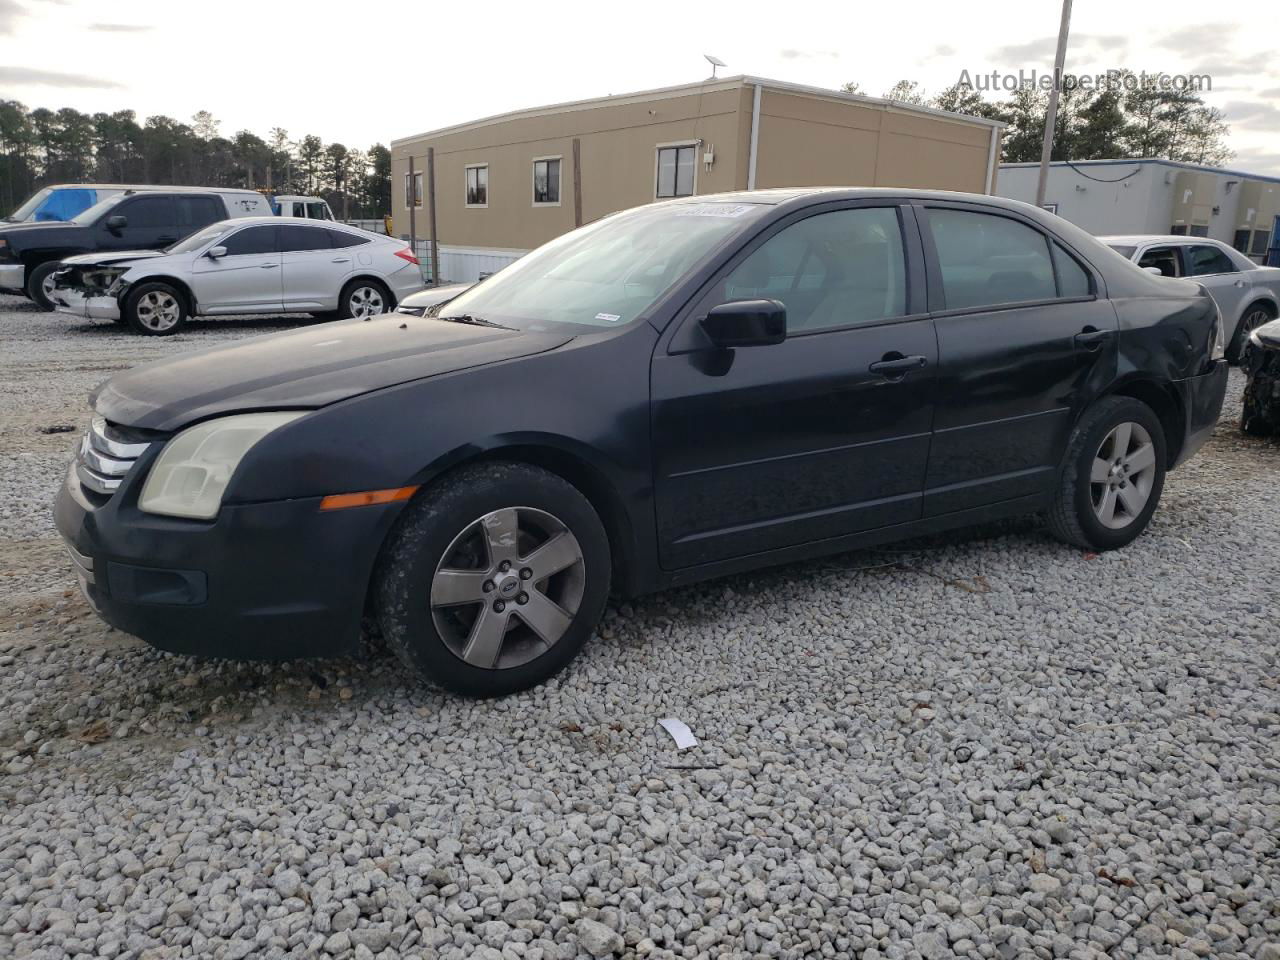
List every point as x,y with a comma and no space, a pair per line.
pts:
197,212
340,239
1204,261
987,260
297,238
251,240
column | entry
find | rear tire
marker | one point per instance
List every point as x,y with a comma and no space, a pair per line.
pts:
1112,475
493,579
155,310
40,284
364,299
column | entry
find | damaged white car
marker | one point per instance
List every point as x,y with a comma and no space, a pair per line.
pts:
248,265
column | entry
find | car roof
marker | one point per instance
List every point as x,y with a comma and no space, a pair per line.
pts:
781,195
302,222
1138,239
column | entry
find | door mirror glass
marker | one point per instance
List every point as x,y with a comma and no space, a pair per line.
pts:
746,323
216,253
117,222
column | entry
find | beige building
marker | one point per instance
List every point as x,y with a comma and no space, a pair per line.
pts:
504,185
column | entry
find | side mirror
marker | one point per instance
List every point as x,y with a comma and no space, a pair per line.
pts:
117,223
216,253
1155,270
746,323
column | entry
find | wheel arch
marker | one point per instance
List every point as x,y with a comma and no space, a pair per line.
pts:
1167,406
178,284
367,277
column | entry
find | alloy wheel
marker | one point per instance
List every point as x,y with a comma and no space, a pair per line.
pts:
1123,472
508,587
366,302
46,287
1252,320
158,310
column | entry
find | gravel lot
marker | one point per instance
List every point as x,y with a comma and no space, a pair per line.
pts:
983,745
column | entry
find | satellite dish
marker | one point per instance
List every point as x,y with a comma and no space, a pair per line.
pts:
715,62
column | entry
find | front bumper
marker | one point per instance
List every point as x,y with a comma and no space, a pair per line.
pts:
13,276
76,304
263,581
1202,399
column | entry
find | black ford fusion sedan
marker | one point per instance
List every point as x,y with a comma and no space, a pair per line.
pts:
672,393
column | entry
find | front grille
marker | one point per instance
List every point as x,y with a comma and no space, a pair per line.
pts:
106,455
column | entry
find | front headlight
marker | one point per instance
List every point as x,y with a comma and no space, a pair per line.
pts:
1218,349
191,474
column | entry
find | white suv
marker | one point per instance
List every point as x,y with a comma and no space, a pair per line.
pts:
248,265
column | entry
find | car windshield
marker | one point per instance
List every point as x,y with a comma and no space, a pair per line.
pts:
198,240
85,217
28,208
605,274
1122,249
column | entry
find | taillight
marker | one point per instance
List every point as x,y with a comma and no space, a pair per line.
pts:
1218,348
404,253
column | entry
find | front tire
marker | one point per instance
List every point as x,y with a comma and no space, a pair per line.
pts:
493,579
1112,476
155,310
39,287
1254,317
364,299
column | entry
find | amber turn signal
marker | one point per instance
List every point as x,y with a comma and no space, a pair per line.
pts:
340,501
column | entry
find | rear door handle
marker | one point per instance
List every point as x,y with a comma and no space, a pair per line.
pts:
341,259
898,366
1091,339
268,266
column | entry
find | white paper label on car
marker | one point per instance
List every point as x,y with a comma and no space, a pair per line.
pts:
680,732
713,210
608,317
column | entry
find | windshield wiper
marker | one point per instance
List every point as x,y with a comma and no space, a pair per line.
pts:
475,321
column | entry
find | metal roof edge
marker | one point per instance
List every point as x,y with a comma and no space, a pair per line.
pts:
1141,161
719,83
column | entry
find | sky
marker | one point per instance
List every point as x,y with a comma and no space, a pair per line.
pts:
377,70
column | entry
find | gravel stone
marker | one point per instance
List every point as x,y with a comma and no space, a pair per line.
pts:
983,745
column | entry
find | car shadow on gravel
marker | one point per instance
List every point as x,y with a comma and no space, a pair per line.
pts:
202,325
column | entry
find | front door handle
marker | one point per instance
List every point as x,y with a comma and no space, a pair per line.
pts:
1091,339
268,266
897,366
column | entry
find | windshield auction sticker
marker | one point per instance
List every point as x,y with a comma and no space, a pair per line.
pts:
713,210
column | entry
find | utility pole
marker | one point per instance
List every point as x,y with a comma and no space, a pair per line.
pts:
1051,118
411,191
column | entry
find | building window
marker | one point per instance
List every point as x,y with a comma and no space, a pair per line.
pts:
1260,241
1178,230
413,189
546,181
1241,241
478,185
1198,230
676,169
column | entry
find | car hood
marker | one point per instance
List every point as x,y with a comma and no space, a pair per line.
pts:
116,256
306,369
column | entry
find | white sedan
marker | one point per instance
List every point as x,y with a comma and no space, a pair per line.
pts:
1248,295
247,265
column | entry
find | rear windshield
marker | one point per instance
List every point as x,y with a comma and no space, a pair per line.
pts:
608,273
